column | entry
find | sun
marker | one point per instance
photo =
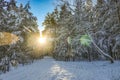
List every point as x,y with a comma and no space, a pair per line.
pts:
42,40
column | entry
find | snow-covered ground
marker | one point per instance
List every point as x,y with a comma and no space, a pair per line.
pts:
49,69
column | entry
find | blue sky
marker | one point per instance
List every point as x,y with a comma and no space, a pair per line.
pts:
39,8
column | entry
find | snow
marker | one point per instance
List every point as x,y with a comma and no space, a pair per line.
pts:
49,69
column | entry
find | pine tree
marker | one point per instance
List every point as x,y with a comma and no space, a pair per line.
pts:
21,23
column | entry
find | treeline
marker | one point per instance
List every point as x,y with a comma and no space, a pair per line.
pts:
84,30
17,20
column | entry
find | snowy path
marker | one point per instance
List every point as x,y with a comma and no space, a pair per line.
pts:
48,69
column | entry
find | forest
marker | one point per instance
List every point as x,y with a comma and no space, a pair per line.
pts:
76,30
83,30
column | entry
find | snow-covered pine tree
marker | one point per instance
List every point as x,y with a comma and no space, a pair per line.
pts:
16,20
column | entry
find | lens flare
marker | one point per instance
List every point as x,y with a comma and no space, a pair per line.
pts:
8,38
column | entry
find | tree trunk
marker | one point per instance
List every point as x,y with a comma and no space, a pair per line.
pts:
89,55
101,51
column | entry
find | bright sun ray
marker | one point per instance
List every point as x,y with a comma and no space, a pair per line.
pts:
42,40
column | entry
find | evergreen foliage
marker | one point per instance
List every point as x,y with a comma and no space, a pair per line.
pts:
16,21
87,24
